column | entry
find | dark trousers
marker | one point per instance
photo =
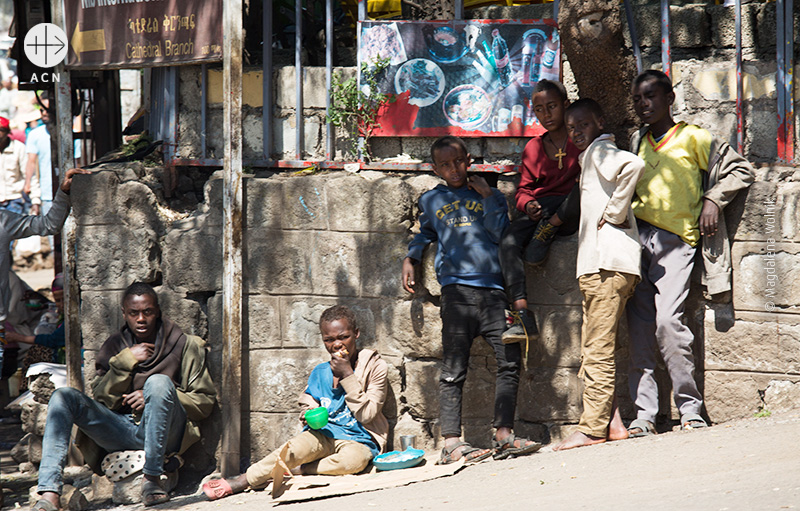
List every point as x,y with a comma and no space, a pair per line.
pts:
519,234
468,312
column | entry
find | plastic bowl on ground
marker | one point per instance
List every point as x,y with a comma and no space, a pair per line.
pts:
317,417
399,459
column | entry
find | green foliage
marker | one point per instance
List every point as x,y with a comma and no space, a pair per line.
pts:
355,109
762,413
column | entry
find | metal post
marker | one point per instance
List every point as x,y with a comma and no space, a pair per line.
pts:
739,84
298,73
555,9
232,240
362,15
637,52
789,81
203,108
266,92
780,33
459,14
666,58
63,97
329,149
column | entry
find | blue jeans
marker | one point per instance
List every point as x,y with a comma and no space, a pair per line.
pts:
159,432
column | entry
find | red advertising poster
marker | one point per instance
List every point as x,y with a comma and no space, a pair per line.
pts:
471,78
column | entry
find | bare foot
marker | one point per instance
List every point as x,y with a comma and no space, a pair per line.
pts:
616,429
578,439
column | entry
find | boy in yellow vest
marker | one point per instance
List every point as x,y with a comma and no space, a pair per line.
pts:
689,177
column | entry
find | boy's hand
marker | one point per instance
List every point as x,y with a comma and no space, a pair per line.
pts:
408,275
135,400
142,351
534,210
709,218
67,183
480,185
623,225
340,365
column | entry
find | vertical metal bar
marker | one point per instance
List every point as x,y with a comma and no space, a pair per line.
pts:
203,108
780,33
666,58
232,240
362,15
266,91
637,51
329,149
789,80
459,14
298,73
739,84
555,9
63,96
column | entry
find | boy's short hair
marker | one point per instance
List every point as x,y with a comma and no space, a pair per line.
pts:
655,75
548,85
587,104
338,312
140,289
447,141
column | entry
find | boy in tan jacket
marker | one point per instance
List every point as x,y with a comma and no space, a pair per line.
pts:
353,387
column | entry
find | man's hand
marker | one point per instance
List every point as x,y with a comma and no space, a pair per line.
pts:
135,400
480,185
408,275
623,225
142,351
35,209
26,188
340,365
67,182
709,218
534,210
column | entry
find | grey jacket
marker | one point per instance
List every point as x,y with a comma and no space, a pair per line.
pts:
14,226
728,173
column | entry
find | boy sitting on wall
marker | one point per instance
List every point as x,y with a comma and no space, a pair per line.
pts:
352,386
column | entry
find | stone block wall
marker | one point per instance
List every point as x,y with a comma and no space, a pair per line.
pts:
704,70
317,240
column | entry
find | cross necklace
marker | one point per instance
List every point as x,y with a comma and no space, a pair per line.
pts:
559,150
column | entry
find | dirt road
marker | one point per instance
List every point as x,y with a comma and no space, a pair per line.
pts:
752,464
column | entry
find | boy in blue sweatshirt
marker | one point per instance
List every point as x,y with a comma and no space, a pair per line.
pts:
466,218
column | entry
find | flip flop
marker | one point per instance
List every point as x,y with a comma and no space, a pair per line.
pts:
640,428
469,454
153,493
217,488
44,505
513,446
692,421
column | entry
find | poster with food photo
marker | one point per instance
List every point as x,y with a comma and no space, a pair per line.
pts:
471,78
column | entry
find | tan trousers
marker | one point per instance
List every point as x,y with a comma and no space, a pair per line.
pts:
320,455
604,298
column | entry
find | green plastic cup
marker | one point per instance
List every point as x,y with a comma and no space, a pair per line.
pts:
316,418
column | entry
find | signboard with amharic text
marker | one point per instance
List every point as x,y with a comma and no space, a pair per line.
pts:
113,34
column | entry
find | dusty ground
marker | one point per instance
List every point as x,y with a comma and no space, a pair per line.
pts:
752,464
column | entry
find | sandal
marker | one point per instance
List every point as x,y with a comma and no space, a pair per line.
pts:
640,428
153,493
44,505
692,421
469,454
217,489
513,446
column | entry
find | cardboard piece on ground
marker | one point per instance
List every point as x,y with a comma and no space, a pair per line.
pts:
302,488
278,471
